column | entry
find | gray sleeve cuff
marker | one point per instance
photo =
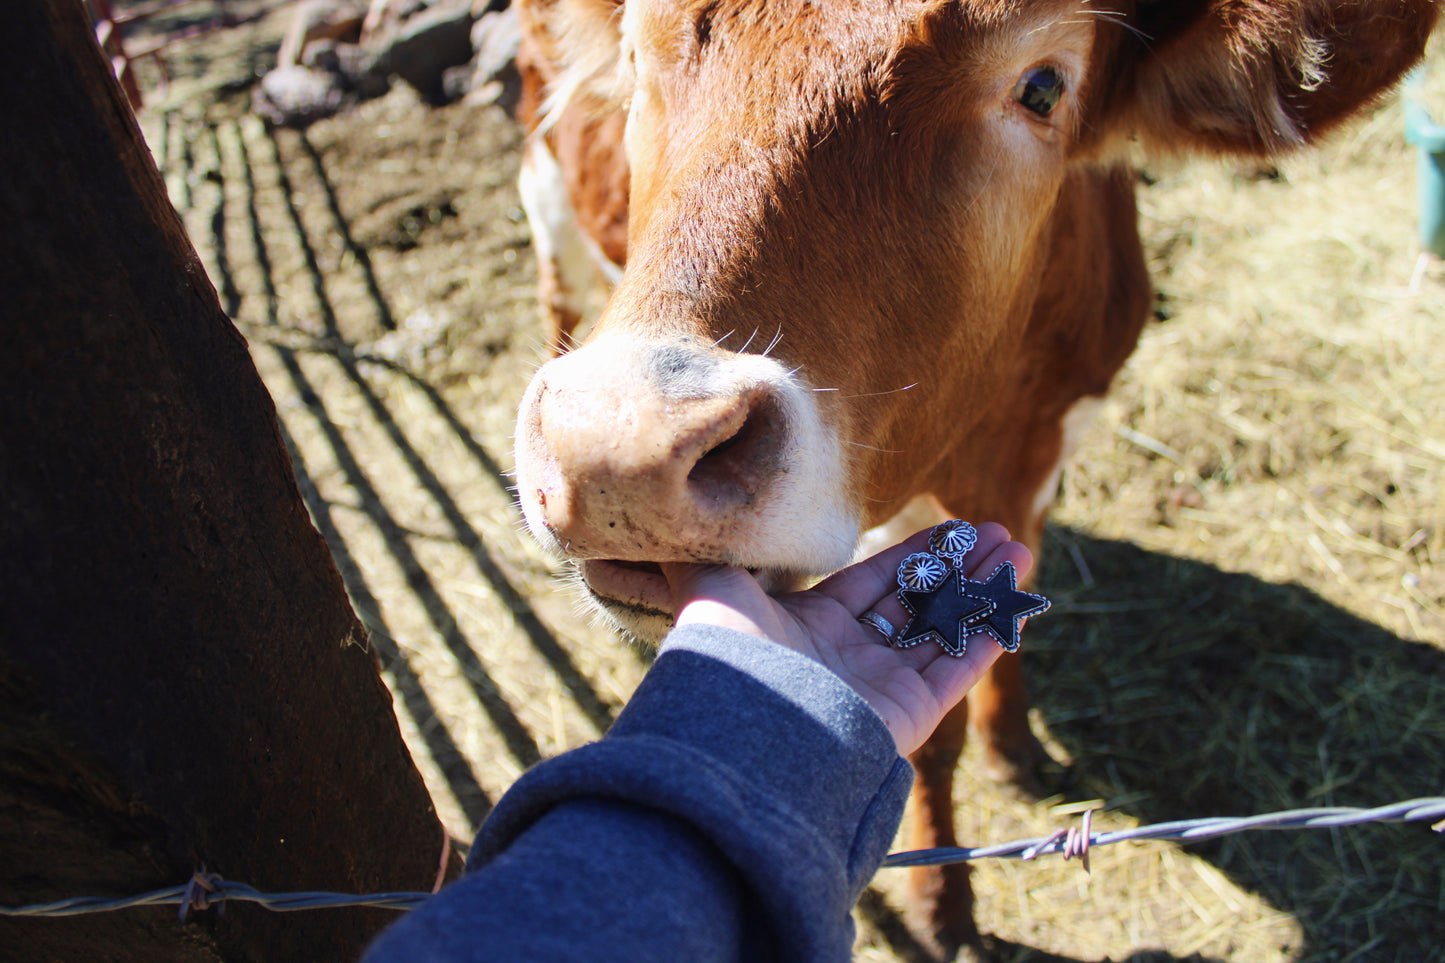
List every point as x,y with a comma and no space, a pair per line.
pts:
777,716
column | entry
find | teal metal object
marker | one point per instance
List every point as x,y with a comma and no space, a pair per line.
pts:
1429,140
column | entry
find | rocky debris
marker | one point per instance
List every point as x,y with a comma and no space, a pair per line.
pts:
338,52
416,341
425,45
297,95
384,16
491,75
320,21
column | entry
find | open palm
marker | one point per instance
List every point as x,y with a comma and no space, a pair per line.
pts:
911,689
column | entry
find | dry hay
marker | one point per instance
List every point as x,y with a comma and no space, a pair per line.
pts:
1246,555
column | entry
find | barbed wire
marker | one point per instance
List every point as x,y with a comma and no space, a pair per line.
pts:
1185,830
207,889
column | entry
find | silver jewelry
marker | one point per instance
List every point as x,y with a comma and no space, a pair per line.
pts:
877,622
952,540
946,607
921,572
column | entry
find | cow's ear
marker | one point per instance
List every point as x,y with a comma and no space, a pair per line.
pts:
1263,76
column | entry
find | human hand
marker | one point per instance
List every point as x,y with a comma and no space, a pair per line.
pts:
910,689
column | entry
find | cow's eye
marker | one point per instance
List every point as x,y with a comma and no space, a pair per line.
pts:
1039,89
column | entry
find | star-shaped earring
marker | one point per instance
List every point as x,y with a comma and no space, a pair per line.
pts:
946,613
946,607
1010,606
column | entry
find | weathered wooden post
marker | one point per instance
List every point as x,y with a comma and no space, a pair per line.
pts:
182,680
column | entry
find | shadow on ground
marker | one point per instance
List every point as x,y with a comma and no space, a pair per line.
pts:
1180,690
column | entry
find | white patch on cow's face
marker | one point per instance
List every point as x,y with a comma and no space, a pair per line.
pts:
800,524
1076,421
584,274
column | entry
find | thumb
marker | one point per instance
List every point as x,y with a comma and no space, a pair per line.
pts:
720,595
688,580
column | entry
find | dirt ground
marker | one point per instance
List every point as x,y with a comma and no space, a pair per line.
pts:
1247,556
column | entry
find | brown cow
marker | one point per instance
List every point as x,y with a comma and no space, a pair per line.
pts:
880,256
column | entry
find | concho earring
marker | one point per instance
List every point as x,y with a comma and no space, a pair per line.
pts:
947,608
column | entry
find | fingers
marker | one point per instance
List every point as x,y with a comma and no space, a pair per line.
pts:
955,675
859,586
990,549
981,566
948,677
688,580
730,597
871,583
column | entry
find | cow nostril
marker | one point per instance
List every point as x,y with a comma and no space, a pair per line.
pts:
737,467
718,450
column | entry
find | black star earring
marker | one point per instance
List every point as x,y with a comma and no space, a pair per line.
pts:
944,614
1010,606
947,608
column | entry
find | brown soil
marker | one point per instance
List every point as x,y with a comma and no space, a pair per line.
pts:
1247,558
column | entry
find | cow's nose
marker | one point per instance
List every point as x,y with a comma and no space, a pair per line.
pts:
649,462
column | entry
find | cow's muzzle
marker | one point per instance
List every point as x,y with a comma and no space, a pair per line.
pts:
632,452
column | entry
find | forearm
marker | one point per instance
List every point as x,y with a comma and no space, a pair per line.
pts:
592,880
735,811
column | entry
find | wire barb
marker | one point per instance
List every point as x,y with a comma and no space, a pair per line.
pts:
197,893
1076,841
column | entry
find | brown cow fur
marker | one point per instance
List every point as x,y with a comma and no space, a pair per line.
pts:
941,275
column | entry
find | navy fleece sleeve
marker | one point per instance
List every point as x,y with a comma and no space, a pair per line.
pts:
734,812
